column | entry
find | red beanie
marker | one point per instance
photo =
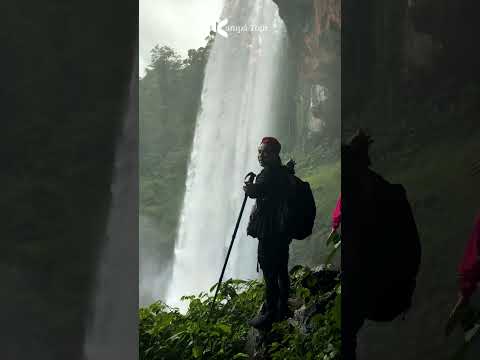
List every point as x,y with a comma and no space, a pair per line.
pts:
274,142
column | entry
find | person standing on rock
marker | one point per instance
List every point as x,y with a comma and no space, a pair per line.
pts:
269,224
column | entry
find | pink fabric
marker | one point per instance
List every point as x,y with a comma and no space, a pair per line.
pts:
469,268
337,214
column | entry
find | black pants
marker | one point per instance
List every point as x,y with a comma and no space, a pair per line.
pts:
353,317
273,260
350,327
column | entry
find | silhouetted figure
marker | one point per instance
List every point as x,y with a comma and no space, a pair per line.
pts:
269,224
380,245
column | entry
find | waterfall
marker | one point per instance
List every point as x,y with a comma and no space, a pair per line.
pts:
113,329
237,110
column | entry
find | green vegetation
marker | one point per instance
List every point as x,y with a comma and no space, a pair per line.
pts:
165,333
169,100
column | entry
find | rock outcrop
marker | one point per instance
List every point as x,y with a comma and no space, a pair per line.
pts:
321,283
314,29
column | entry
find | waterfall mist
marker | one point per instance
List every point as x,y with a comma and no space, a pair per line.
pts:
113,329
155,267
237,110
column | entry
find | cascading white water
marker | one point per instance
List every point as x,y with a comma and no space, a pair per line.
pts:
113,329
237,110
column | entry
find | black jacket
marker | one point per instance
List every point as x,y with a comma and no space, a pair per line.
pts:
270,214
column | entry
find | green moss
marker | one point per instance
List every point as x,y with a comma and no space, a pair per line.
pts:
324,179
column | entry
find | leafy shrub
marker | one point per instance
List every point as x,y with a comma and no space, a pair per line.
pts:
165,333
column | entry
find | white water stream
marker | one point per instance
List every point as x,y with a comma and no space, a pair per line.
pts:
113,329
236,112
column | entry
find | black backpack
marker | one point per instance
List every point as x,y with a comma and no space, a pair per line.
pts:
395,249
301,208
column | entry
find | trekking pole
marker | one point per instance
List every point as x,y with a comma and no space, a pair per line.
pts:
250,177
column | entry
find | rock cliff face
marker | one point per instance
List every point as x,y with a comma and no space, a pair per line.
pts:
405,48
314,30
453,27
415,89
409,75
308,22
321,283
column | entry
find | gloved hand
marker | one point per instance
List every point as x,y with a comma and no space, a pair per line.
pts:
249,188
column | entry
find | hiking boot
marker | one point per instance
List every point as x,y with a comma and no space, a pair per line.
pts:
262,321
